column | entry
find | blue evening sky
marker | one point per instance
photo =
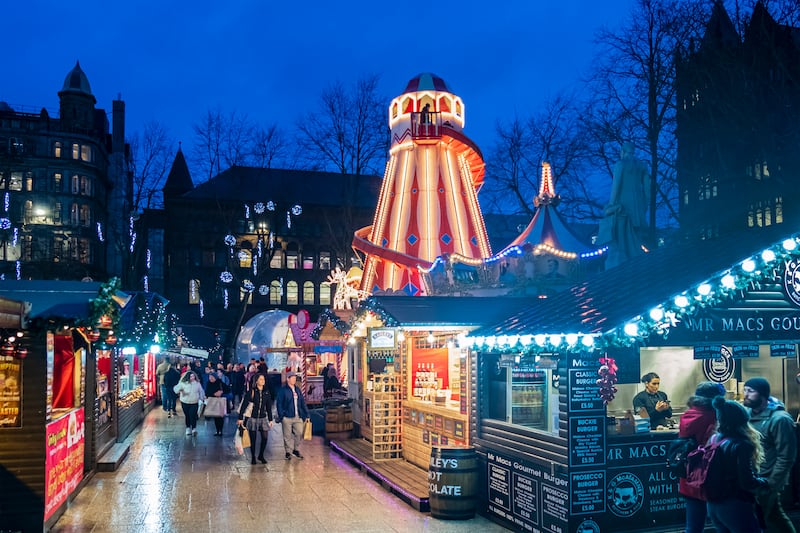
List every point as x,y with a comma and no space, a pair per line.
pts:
172,60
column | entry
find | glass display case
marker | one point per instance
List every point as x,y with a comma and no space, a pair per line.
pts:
529,397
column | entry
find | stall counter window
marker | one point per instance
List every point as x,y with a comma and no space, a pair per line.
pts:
436,374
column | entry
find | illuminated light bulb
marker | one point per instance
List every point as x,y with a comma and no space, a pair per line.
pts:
768,256
477,341
540,339
572,339
681,301
657,314
587,341
748,265
517,359
351,340
451,344
555,340
502,340
631,329
789,245
155,349
728,281
491,341
431,338
704,289
513,340
401,336
526,340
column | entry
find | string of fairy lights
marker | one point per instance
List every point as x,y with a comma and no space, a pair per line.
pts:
658,320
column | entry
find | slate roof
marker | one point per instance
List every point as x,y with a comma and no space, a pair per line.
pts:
448,310
610,298
247,184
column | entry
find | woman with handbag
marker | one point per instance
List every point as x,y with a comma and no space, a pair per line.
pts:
216,403
191,394
255,414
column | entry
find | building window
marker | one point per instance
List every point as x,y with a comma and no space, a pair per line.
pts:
768,216
57,182
245,259
751,219
84,251
27,212
291,293
779,210
16,181
277,259
324,260
86,215
86,153
73,215
29,181
291,259
76,184
2,181
57,149
86,186
194,291
325,293
308,293
76,151
208,258
308,261
275,292
57,213
245,296
27,247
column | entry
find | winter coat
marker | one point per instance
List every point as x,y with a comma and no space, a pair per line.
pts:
262,403
285,403
780,443
172,377
738,477
700,423
189,392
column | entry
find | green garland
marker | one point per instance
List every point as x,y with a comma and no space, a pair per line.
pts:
104,304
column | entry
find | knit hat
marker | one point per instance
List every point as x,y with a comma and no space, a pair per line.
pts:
709,389
760,385
730,414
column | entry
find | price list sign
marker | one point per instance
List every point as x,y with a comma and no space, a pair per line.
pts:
525,498
588,437
584,393
588,492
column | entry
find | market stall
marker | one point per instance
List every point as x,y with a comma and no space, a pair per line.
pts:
588,462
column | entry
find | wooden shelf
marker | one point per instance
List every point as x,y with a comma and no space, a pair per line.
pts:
387,424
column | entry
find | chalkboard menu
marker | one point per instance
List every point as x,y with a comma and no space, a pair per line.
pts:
584,393
525,496
587,437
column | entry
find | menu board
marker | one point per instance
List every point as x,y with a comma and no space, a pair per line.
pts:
10,392
584,393
525,496
64,460
588,437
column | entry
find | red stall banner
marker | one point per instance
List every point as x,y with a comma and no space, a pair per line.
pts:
64,461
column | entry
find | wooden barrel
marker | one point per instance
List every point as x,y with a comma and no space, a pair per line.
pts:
338,420
453,482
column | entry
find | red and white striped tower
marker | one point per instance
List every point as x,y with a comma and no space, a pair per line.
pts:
428,204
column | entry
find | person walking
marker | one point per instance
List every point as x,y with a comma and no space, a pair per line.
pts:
161,371
699,422
259,419
237,384
777,429
731,498
171,378
191,394
216,388
292,415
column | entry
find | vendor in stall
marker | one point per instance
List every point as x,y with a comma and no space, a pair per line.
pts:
652,401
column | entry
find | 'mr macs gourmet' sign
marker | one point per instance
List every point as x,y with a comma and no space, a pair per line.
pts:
721,325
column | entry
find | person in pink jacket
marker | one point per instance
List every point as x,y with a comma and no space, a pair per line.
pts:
698,421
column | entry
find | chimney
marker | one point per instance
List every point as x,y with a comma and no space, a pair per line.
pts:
118,125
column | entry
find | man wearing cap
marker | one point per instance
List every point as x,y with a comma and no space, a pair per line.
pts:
769,417
292,413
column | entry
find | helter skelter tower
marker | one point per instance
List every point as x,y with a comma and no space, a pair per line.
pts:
428,204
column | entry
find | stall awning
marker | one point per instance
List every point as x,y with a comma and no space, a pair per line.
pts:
612,297
12,314
53,299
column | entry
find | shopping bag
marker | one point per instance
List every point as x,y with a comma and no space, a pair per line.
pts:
201,408
237,442
245,437
307,430
216,407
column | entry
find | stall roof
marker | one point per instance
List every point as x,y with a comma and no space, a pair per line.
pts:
617,295
48,299
448,310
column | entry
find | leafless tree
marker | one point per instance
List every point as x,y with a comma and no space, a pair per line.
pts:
270,147
221,141
348,132
633,83
555,135
152,153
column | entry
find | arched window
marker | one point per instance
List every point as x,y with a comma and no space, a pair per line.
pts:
275,292
324,293
291,293
308,293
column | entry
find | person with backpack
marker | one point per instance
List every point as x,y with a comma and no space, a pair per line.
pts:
698,423
777,429
730,461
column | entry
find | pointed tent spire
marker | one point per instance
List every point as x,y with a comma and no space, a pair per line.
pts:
179,181
547,190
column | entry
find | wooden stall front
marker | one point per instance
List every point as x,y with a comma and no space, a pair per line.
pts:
597,467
